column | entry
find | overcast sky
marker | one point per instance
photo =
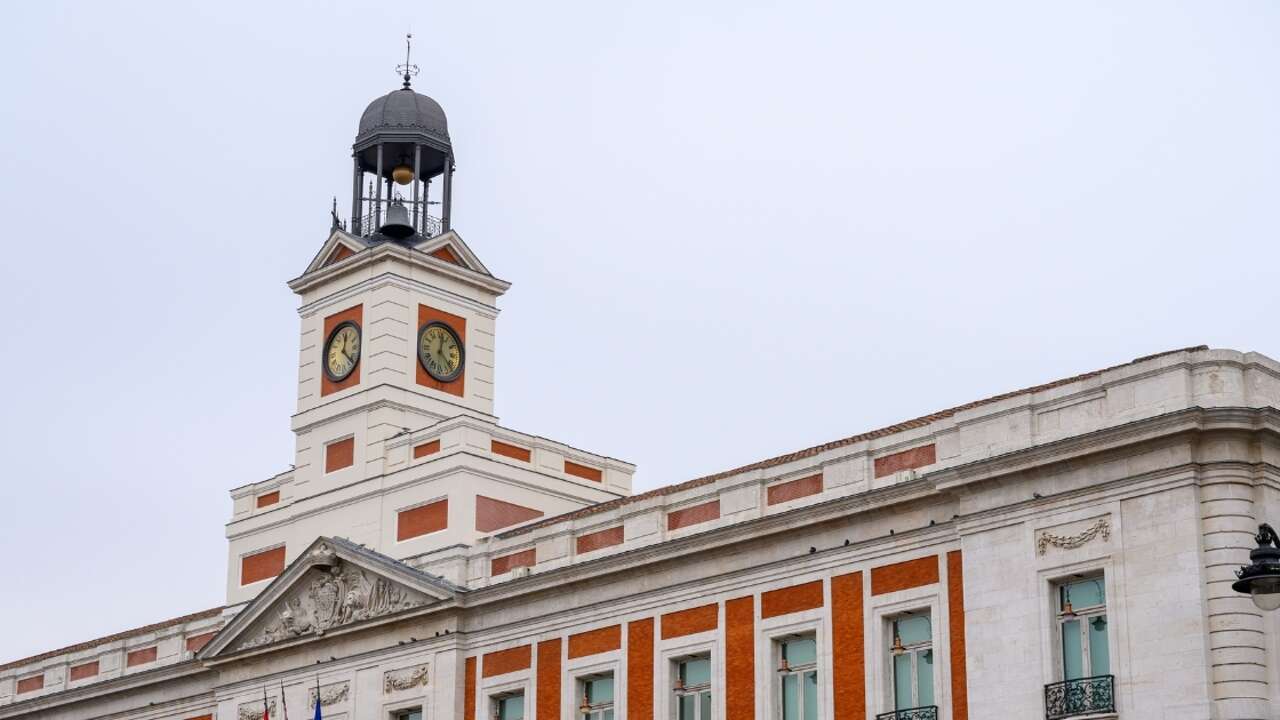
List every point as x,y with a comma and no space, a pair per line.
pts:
735,229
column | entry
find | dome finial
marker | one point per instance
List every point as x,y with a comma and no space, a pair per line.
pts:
408,69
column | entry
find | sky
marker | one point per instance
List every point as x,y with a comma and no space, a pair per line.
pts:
734,229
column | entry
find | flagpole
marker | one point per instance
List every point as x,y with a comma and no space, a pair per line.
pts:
283,702
266,709
318,716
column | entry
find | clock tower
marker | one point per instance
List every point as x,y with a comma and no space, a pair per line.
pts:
397,445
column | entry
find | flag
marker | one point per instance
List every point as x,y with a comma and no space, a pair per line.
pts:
317,716
266,711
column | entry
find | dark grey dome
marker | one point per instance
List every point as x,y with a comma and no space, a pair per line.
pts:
402,110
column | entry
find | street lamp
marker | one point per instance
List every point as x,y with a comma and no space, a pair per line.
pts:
1261,577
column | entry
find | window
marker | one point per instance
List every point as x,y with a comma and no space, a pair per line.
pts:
798,678
693,688
911,661
597,697
1082,621
508,707
409,715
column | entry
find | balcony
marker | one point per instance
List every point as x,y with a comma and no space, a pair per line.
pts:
924,712
1085,696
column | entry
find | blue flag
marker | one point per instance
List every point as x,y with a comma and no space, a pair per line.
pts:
317,717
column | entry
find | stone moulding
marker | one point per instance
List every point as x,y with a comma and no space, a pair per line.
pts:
404,679
329,694
1101,528
253,710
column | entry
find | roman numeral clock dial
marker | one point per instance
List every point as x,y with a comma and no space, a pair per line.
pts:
342,351
440,351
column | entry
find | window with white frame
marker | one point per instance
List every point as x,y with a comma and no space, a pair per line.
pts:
692,688
911,660
596,692
415,714
1082,628
797,678
508,706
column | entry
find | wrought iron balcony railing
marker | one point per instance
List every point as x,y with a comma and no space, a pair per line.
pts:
924,712
1085,696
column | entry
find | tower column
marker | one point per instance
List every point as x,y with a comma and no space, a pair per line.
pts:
417,161
355,194
446,201
377,202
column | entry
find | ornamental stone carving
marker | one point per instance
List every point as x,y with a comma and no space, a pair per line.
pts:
329,694
1101,528
404,679
336,594
253,710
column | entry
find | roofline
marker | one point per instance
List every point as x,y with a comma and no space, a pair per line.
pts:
819,449
211,612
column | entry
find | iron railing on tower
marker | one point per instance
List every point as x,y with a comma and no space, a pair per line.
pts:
428,225
924,712
1083,696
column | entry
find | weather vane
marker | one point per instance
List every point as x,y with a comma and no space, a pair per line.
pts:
408,69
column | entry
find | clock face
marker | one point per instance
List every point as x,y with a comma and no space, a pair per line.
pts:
440,351
342,351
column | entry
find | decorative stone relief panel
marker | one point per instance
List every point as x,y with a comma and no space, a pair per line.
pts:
253,710
1074,535
404,679
332,594
329,694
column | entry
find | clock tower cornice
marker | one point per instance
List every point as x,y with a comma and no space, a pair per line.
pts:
395,280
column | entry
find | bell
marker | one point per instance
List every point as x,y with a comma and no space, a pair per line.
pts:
402,174
397,224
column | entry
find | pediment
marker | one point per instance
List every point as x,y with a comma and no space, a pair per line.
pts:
334,586
450,248
340,246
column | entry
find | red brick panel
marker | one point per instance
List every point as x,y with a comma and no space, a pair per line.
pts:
687,622
685,517
640,669
585,472
594,642
507,563
847,647
793,489
459,326
201,717
740,659
140,657
342,252
446,254
505,661
356,315
515,452
270,498
469,689
260,566
791,599
429,447
495,514
906,460
422,520
338,455
955,623
601,539
547,705
903,575
31,684
82,671
196,642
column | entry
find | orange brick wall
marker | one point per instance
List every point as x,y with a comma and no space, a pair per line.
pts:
469,689
30,684
260,566
847,640
515,452
427,448
496,514
423,519
270,498
140,657
640,669
596,540
459,325
507,563
195,642
687,622
791,599
739,661
794,489
548,683
685,517
906,460
505,661
583,471
594,642
955,624
85,670
903,575
356,315
340,454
